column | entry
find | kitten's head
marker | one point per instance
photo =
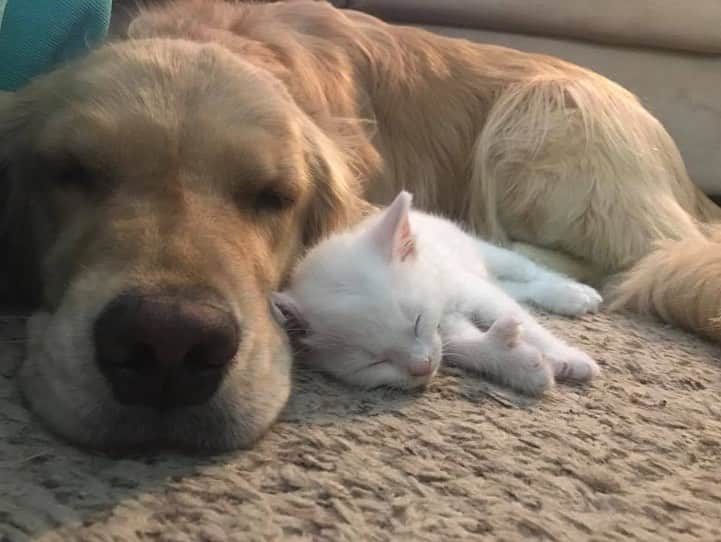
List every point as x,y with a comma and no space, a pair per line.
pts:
361,308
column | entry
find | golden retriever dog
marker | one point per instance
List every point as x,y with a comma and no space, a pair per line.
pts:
158,189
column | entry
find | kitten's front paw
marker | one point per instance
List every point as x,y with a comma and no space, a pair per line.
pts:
568,298
524,367
506,331
573,364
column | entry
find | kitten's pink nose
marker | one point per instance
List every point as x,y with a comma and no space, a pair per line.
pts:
420,368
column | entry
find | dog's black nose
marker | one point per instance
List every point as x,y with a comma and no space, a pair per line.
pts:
165,349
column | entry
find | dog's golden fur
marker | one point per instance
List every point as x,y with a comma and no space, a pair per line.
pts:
209,104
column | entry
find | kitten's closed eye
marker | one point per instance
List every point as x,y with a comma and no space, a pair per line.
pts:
417,325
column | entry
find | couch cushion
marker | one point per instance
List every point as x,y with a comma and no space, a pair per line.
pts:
669,24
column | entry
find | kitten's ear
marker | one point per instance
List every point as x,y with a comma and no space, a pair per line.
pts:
288,313
392,233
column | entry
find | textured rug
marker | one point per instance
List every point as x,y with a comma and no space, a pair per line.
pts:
637,456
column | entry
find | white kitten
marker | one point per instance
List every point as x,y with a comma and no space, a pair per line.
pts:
380,304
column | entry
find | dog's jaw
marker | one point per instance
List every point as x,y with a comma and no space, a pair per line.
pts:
60,381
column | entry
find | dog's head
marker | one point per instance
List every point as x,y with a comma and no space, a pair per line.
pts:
157,191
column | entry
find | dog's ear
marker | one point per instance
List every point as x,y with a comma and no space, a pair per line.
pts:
19,266
337,201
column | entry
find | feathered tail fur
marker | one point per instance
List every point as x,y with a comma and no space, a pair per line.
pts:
578,165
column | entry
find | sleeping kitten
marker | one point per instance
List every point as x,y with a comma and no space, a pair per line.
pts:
382,303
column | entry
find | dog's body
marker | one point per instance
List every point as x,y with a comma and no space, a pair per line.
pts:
171,180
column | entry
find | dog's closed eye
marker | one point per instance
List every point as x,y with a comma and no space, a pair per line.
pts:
72,173
270,199
64,170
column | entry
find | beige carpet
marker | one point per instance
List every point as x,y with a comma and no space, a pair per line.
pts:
635,457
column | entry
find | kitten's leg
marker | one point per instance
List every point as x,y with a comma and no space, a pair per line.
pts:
501,353
505,264
528,282
557,295
560,262
486,302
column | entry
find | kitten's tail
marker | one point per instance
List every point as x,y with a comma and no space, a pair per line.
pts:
679,282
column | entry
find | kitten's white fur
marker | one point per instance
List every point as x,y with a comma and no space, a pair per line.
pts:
382,303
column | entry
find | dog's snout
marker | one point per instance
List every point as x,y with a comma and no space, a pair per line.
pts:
165,349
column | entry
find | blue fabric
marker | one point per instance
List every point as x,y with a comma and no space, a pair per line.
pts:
2,11
37,35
